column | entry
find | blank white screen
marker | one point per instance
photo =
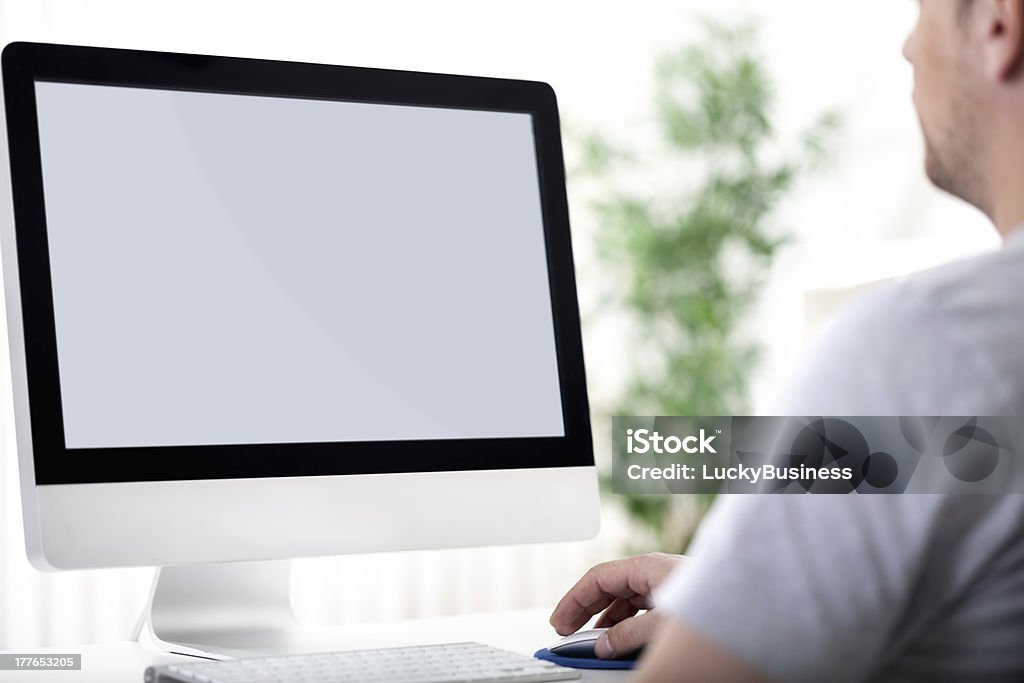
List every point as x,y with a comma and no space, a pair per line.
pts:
233,269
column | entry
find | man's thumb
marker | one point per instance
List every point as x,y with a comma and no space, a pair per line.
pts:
626,637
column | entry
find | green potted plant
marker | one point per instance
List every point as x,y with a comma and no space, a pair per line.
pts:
688,262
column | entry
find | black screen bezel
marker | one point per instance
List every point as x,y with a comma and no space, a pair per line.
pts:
25,63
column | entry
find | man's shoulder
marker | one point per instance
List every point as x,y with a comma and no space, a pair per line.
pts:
982,284
954,335
976,293
945,341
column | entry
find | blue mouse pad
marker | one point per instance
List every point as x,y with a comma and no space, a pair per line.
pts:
584,662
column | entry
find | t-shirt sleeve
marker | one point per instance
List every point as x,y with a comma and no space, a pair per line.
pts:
811,588
804,588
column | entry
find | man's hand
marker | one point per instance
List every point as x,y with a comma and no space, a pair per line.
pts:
620,589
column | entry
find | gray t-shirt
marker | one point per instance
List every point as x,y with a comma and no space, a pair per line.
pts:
891,587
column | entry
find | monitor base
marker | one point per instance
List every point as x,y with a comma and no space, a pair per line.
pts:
232,610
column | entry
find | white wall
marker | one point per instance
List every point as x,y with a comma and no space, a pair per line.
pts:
872,216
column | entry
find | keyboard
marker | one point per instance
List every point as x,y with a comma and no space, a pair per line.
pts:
449,663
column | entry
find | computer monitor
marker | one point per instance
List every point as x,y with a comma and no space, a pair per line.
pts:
261,310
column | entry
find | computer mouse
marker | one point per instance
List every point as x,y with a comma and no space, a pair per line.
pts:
580,645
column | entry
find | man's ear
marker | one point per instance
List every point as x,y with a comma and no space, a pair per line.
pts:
1002,23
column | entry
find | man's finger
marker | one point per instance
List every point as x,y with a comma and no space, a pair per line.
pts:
620,610
595,591
599,587
627,636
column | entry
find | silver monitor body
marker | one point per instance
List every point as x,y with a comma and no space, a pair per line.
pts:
263,310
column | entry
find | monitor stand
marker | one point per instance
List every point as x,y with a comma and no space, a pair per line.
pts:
230,610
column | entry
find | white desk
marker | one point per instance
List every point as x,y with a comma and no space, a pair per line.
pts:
523,631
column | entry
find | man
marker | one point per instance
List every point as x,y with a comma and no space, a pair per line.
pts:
897,587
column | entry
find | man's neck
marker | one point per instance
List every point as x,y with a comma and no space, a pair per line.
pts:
1007,211
1006,208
